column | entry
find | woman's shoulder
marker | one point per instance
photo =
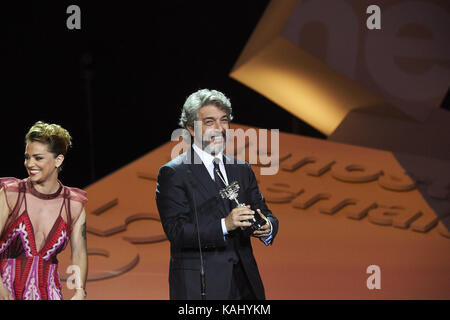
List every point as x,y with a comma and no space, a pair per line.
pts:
76,194
10,183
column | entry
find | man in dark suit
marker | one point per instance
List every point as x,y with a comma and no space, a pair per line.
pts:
194,179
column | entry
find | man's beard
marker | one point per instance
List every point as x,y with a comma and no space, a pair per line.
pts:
211,147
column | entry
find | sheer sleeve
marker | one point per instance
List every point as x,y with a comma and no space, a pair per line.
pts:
78,199
10,187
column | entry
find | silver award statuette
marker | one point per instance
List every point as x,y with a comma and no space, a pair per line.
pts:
230,192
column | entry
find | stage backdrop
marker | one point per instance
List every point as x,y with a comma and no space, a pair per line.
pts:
341,208
319,60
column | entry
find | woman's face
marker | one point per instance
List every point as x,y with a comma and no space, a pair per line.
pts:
41,164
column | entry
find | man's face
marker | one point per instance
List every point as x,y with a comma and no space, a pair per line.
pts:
214,123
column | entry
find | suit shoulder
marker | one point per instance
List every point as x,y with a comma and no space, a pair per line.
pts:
235,161
231,160
176,165
178,161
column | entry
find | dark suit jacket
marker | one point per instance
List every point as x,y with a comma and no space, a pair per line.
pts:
176,208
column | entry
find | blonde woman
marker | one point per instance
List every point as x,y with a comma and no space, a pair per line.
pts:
38,217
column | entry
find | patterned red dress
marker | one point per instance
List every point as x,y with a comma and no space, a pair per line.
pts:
37,229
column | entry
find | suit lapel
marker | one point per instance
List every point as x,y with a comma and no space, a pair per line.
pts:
201,174
208,186
232,172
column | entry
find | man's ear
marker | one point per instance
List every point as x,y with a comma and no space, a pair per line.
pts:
190,129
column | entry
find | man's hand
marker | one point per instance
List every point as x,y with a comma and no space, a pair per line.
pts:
238,218
264,231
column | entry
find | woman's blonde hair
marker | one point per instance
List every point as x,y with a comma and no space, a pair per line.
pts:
56,137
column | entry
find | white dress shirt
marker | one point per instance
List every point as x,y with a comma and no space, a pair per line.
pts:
208,159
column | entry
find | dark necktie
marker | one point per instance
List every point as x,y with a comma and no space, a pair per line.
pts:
220,183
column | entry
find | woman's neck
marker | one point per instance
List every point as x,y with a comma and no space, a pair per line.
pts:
47,187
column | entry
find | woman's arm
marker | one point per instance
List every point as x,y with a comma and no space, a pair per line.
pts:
79,254
4,213
4,210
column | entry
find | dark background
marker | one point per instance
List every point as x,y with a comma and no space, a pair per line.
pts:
118,84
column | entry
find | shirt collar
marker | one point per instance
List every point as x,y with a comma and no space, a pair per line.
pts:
206,158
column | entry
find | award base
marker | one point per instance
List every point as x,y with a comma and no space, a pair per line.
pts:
257,223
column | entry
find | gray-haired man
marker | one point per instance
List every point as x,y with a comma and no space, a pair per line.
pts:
231,271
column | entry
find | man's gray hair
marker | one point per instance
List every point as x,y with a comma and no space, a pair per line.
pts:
201,98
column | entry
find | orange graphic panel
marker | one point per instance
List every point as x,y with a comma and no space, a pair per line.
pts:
341,209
